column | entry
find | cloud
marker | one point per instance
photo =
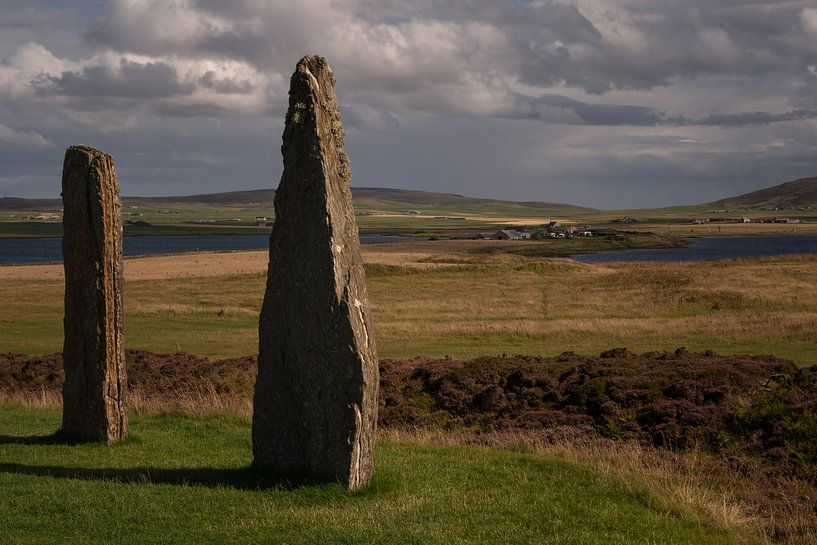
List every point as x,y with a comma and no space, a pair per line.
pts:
808,20
369,119
150,27
470,58
225,85
755,118
586,100
15,139
559,109
437,58
128,80
114,90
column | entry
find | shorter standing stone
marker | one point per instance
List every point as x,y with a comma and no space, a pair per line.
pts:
93,352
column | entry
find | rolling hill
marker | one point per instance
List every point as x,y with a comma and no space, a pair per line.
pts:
800,193
16,203
365,198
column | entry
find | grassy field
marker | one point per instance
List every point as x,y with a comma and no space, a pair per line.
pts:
464,300
429,226
162,486
725,229
409,211
186,480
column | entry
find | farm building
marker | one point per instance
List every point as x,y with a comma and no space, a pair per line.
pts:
511,234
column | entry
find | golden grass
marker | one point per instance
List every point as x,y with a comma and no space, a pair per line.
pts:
692,484
201,401
437,298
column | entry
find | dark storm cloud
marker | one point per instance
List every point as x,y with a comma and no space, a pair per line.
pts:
600,102
644,45
405,56
560,109
225,85
132,80
755,118
805,93
552,109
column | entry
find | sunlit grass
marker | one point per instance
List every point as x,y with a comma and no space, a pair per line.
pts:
764,306
187,480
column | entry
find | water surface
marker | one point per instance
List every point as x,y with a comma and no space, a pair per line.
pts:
20,251
711,248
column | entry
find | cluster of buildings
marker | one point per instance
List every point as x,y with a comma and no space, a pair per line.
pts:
552,229
42,217
777,220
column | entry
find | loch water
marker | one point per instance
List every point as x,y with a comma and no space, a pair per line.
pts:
49,250
713,248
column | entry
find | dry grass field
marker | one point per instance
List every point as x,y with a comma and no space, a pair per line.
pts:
458,298
463,299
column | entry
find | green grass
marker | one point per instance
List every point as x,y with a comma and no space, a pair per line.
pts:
583,245
184,480
799,193
30,229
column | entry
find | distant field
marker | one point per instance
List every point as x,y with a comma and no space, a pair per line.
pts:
390,209
427,226
452,216
404,212
187,220
726,229
461,299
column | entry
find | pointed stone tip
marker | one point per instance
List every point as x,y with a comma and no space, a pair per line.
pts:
314,64
313,59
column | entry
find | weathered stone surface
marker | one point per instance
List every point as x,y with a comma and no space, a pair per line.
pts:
315,405
93,353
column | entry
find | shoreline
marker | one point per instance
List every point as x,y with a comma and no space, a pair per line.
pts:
419,248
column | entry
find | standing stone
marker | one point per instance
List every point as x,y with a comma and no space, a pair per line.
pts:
93,353
315,406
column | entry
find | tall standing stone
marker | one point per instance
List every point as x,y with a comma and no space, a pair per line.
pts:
315,406
93,353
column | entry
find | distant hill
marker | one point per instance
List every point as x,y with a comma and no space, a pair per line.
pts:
15,203
400,200
365,198
800,193
255,196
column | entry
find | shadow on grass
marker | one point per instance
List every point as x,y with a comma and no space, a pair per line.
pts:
55,438
243,478
240,478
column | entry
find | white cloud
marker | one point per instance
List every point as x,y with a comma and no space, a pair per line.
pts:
203,57
808,20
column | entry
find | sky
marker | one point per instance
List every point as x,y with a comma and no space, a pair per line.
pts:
603,103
